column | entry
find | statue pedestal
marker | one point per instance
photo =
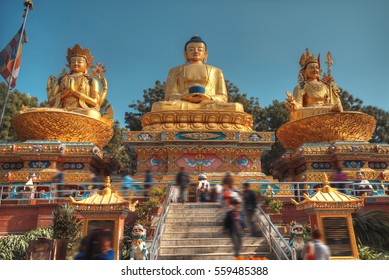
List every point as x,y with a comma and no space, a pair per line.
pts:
310,160
58,124
210,152
20,160
197,120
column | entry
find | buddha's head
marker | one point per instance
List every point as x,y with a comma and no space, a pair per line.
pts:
196,50
310,66
79,59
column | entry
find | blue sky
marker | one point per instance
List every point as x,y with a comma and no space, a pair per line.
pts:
257,44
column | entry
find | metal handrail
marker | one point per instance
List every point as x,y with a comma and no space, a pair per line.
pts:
277,242
155,245
52,194
296,189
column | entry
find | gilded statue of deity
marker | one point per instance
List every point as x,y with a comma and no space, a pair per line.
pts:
313,95
196,85
78,91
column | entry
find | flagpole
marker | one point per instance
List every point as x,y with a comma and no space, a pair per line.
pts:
29,6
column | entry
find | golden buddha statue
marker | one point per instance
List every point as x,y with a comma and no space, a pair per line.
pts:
196,85
316,112
313,95
78,91
73,110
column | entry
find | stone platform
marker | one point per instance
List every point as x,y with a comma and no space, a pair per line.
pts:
210,152
19,160
308,161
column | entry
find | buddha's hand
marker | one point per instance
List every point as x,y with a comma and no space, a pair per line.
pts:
175,96
290,103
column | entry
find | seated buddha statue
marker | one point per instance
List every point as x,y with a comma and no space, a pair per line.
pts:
196,85
78,91
313,95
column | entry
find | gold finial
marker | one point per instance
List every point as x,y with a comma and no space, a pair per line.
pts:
107,183
325,179
326,188
79,51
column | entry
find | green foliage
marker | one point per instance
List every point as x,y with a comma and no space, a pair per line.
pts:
14,247
116,148
133,119
144,213
126,243
15,102
67,226
367,253
372,229
381,132
158,191
275,205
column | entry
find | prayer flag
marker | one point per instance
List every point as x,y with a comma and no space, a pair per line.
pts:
8,56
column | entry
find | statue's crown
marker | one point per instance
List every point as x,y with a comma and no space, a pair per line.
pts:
79,51
307,58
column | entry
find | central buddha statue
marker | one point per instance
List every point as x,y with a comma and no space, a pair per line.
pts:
196,85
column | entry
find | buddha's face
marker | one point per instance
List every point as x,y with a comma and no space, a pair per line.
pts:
312,71
78,64
195,52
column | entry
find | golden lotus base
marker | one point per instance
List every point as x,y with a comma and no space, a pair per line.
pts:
344,126
196,120
48,124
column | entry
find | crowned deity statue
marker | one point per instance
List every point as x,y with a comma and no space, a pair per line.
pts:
78,91
313,95
195,84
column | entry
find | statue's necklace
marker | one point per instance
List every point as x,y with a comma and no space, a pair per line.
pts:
315,86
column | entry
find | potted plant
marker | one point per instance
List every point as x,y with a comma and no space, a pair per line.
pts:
275,206
159,192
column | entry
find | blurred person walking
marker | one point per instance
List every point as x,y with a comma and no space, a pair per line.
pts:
182,180
147,184
250,207
235,226
316,249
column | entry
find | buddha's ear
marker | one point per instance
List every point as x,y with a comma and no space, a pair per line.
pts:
186,56
205,56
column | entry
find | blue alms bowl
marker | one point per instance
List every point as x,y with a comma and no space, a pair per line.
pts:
197,89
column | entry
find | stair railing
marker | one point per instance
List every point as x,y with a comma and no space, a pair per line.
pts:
278,245
156,244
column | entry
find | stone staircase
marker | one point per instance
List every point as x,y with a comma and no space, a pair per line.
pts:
194,231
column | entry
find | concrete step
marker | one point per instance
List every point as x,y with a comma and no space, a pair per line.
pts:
192,205
210,241
195,219
210,229
188,234
193,224
214,256
197,210
195,215
227,249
